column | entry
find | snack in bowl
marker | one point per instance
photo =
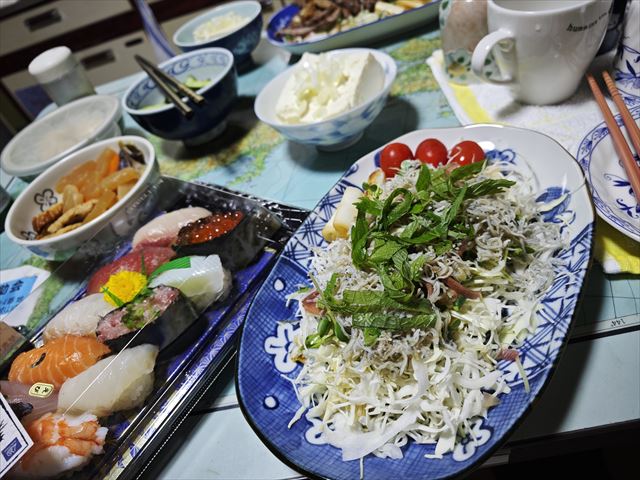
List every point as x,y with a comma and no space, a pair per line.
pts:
323,86
218,26
235,26
60,211
211,72
89,190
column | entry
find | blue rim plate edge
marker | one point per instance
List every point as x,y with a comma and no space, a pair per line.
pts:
590,227
287,45
607,214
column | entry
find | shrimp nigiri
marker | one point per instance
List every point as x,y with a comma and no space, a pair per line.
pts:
58,360
61,443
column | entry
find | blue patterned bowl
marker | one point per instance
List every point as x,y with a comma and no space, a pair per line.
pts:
241,42
41,194
209,119
266,396
338,132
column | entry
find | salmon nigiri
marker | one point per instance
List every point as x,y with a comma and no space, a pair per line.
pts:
57,360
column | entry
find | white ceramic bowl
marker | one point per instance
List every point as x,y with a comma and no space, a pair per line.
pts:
338,132
41,194
60,133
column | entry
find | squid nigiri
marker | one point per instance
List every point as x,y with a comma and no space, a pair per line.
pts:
118,382
204,282
57,360
61,443
79,318
163,230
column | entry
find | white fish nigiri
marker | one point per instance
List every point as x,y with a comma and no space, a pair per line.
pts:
204,282
163,230
118,382
62,443
78,318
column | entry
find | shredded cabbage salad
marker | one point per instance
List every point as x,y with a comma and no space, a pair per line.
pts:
403,328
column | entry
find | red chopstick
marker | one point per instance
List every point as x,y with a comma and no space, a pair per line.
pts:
632,128
619,142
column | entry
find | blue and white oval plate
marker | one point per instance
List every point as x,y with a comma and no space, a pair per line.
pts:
356,36
266,396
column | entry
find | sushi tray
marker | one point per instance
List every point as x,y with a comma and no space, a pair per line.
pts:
145,320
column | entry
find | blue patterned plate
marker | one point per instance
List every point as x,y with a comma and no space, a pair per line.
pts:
611,190
356,36
267,397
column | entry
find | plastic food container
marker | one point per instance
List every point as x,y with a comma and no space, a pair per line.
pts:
60,74
63,131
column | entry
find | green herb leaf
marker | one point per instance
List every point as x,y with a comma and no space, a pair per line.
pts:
385,252
393,322
182,262
466,171
112,296
488,187
359,233
323,326
424,178
371,335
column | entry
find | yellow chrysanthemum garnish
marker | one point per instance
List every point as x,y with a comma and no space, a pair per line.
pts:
122,287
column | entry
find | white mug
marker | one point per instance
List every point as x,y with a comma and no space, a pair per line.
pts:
542,47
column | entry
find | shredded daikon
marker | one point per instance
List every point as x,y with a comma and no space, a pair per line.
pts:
429,385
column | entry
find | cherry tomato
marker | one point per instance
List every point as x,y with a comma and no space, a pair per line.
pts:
392,156
466,152
432,151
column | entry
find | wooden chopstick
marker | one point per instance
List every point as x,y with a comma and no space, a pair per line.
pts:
632,128
619,142
178,85
184,109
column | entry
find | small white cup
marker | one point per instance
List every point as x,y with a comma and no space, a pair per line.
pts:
542,47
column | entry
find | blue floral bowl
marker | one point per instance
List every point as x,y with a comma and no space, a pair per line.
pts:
241,41
209,119
337,132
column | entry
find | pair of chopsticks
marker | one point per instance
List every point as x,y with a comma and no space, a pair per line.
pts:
171,87
619,142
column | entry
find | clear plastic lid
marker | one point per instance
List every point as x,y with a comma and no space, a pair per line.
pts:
59,133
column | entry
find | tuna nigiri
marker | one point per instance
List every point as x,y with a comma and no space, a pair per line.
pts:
119,382
57,360
78,318
153,258
158,317
163,230
61,443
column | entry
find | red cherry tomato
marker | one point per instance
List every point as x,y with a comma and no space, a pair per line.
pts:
432,151
466,152
392,156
